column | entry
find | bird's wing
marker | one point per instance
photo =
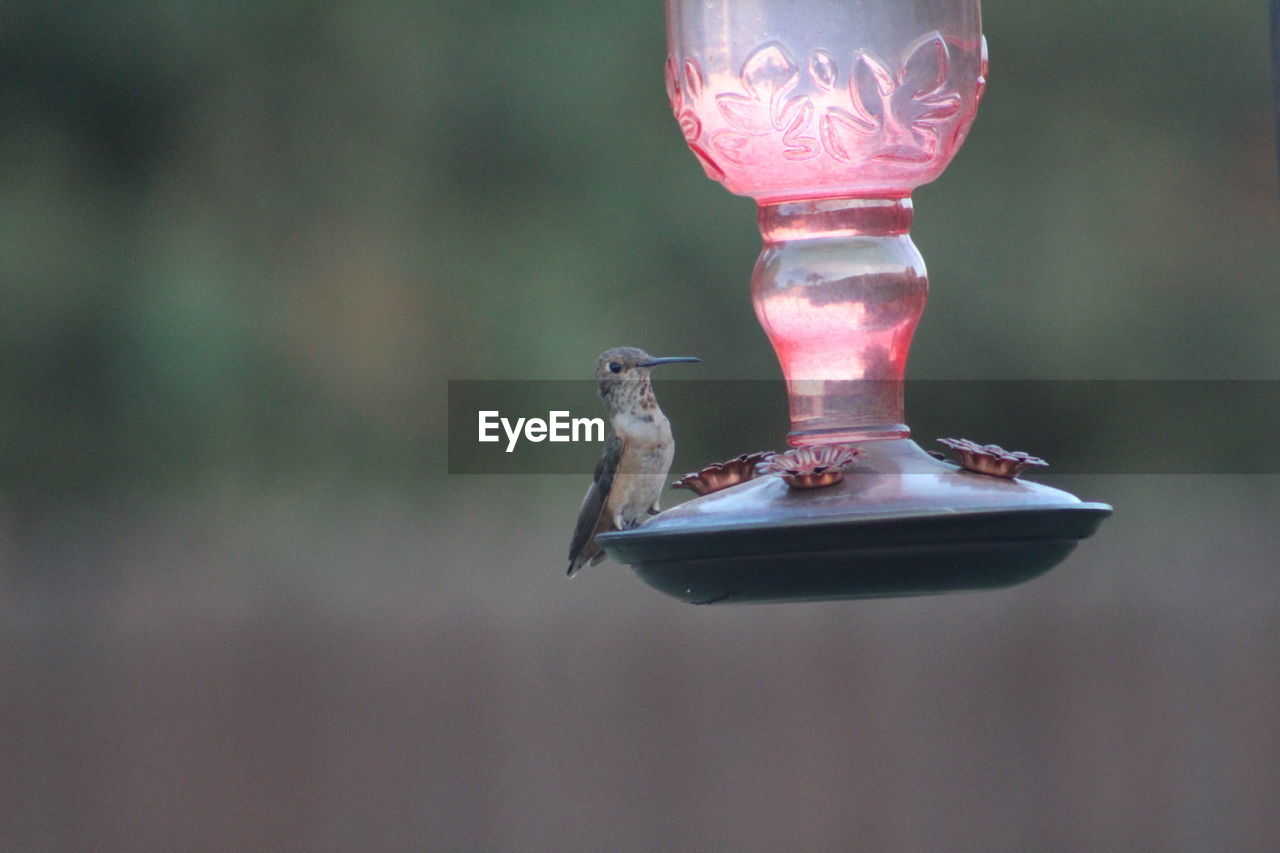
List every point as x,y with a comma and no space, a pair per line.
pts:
584,549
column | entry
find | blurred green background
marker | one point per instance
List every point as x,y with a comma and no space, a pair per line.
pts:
243,246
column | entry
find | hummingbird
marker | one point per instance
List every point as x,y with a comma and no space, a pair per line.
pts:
631,474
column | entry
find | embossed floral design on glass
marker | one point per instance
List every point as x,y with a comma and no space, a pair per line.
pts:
830,113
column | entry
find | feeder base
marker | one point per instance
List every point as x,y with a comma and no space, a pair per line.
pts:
900,523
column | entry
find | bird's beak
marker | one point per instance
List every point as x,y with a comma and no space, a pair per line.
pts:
653,362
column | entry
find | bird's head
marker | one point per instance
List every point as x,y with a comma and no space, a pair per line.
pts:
623,367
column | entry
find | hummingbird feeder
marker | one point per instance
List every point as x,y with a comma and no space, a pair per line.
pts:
829,114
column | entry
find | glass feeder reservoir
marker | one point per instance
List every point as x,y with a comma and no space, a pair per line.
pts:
829,113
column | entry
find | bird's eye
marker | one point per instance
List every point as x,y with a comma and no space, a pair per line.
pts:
614,367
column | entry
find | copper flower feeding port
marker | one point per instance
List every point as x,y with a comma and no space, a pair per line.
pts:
991,459
722,475
812,467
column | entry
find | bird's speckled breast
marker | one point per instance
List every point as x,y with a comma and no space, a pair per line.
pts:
647,451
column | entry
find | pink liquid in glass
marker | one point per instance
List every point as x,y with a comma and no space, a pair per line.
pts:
839,289
830,113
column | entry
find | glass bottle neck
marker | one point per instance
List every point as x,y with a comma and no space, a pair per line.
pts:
839,288
834,217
